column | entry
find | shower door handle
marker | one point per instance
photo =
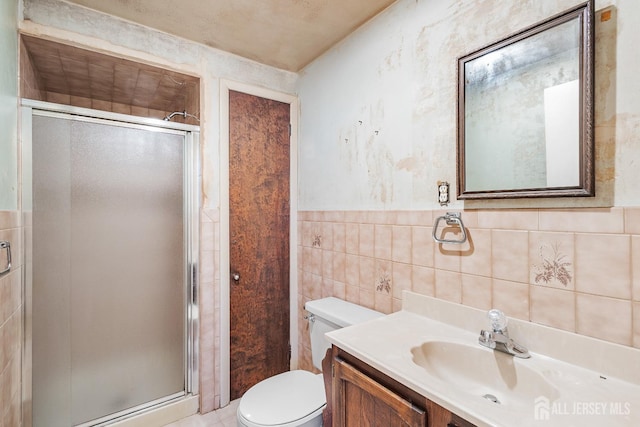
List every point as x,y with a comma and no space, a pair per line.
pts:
7,247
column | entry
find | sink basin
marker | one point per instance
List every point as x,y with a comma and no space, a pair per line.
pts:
476,370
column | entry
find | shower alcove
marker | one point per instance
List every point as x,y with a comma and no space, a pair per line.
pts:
110,206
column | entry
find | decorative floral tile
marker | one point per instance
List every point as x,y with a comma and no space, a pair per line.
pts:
383,277
551,260
317,240
554,266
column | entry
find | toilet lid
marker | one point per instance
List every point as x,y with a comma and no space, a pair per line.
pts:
283,398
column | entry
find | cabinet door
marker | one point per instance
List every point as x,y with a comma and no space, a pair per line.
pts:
440,417
360,401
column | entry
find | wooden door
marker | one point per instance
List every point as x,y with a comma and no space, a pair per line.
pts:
259,239
359,400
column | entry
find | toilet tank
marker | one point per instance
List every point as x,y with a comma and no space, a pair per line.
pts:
330,314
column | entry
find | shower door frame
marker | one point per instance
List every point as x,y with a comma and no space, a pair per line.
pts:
191,204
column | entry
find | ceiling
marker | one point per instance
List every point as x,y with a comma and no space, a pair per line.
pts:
286,34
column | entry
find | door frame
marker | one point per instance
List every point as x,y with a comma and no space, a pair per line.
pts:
224,273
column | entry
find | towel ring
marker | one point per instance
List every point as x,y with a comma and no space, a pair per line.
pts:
452,218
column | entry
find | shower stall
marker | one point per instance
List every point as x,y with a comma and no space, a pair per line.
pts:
111,219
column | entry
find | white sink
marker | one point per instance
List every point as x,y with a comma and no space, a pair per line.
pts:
431,347
479,371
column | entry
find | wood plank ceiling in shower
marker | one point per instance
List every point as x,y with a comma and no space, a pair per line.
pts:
64,74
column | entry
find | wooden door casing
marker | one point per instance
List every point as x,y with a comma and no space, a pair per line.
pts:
259,206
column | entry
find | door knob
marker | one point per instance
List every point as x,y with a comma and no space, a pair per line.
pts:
235,277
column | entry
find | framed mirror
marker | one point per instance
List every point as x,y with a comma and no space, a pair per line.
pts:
525,112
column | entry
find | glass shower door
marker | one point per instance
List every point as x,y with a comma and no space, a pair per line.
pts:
109,269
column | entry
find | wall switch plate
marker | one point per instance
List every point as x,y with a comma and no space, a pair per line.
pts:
443,193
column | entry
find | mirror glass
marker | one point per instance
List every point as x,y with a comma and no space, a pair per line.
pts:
525,113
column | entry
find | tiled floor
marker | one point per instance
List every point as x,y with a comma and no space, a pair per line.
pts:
223,417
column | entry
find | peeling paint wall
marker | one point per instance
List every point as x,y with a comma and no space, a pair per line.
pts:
378,123
78,25
8,105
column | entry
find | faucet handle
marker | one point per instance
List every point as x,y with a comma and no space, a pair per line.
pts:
497,319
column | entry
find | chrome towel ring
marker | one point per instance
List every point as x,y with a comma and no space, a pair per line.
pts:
451,218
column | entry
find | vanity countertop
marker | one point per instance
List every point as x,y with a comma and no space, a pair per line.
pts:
569,379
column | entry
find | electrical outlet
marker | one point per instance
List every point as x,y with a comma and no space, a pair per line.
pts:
443,193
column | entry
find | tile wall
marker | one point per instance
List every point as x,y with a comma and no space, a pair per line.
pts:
209,310
576,270
11,304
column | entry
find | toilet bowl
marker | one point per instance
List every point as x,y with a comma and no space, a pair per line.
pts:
297,398
294,398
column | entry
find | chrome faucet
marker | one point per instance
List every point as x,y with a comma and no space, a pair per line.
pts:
498,337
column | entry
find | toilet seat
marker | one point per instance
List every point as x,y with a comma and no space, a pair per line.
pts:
287,399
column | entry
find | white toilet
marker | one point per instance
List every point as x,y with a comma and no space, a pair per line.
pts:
297,398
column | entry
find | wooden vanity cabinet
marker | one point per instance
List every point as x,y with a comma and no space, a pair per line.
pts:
363,396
